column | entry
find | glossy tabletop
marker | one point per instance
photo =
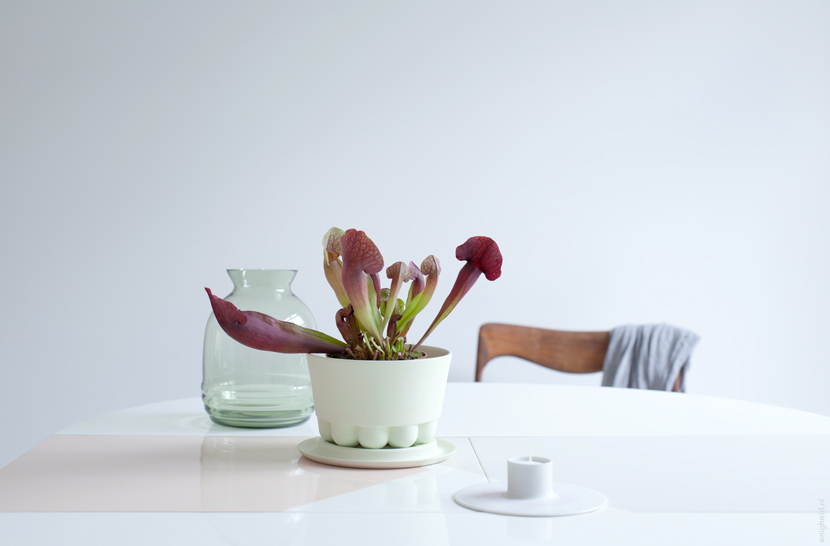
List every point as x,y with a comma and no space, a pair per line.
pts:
676,468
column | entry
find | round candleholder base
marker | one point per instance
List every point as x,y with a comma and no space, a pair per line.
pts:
566,500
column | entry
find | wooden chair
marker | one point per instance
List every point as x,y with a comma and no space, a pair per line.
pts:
572,352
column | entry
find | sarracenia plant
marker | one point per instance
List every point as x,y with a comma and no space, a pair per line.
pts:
373,321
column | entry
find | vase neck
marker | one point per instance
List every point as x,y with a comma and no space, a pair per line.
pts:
263,279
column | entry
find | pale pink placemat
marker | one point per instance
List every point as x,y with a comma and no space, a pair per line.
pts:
103,473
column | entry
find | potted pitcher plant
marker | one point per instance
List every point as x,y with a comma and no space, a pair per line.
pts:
373,389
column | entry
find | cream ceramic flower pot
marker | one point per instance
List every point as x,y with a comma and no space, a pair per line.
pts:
372,403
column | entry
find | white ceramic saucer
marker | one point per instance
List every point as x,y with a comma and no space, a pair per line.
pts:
567,500
321,451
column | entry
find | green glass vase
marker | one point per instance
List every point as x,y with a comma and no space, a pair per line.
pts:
243,387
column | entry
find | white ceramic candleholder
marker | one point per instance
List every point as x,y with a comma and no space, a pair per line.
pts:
530,491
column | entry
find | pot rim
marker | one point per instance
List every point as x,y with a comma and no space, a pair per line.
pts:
429,353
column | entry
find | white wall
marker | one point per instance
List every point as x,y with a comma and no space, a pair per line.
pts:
637,162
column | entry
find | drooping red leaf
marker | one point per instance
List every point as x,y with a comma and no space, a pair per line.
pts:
263,332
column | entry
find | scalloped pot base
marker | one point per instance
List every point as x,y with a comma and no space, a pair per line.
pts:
377,403
377,437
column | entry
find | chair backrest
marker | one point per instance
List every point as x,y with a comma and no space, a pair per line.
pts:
573,352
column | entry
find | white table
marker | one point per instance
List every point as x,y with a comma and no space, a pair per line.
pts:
676,468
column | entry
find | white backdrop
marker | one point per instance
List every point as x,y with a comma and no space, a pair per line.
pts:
641,161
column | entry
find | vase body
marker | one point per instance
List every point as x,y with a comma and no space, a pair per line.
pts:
244,387
374,403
